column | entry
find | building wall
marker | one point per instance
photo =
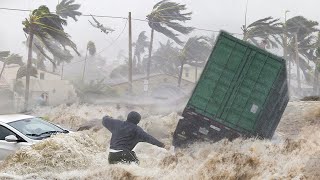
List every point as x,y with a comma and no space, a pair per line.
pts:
59,91
189,73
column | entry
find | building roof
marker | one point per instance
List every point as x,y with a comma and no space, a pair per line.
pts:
13,117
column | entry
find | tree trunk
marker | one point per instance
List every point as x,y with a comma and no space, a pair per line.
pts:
29,65
62,66
3,66
180,73
84,66
316,81
150,51
298,63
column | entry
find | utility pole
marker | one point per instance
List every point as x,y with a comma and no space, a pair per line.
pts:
130,54
297,61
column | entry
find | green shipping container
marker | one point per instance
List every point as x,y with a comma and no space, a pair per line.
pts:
242,92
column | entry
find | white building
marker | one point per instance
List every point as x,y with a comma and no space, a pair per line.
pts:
58,91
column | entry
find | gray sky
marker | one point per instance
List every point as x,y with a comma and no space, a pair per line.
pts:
207,14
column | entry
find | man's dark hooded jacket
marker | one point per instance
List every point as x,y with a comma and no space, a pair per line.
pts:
127,134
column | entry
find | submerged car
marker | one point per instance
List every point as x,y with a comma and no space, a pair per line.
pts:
18,130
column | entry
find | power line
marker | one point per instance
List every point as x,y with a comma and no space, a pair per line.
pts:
103,49
115,17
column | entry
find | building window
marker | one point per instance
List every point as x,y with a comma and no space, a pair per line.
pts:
42,76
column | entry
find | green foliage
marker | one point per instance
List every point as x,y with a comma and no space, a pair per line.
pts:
266,29
67,8
140,47
94,87
22,72
196,51
166,59
91,47
3,55
166,16
49,32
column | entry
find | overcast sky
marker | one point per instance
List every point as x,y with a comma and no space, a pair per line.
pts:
207,14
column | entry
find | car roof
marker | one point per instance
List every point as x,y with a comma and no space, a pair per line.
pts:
8,118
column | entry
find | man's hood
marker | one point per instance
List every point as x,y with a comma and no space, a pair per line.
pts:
134,117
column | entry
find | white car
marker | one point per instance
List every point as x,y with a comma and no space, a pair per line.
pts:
17,130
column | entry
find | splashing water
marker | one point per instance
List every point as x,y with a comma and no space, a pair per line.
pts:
83,155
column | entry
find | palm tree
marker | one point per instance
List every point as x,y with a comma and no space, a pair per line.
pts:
91,48
165,16
303,50
66,9
3,56
166,59
195,52
265,29
316,72
7,59
45,26
140,46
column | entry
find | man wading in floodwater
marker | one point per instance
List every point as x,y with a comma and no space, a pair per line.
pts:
125,136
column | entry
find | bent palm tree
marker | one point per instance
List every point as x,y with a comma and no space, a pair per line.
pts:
195,52
91,48
9,59
265,29
45,26
166,59
304,50
66,9
164,17
140,46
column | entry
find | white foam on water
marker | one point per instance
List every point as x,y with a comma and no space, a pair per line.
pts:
84,155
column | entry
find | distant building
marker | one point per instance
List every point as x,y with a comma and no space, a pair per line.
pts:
58,91
191,73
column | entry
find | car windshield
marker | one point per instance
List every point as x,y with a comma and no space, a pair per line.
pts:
36,128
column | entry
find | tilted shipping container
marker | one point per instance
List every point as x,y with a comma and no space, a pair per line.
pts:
242,91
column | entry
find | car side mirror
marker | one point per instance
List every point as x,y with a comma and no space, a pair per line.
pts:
11,138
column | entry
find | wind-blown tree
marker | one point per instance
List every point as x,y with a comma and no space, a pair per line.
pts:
165,18
7,59
67,8
140,46
316,72
166,59
305,31
195,52
64,9
91,48
265,29
45,26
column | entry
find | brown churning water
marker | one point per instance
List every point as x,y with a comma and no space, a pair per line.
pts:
83,155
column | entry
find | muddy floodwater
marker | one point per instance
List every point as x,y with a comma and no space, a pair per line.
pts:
293,153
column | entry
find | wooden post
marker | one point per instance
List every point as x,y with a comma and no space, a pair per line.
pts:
130,54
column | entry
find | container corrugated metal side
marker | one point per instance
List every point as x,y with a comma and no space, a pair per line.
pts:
242,92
